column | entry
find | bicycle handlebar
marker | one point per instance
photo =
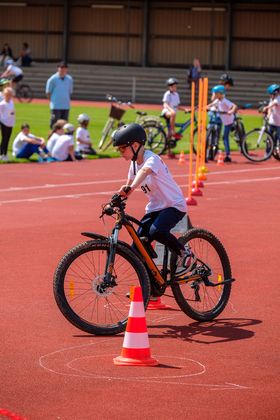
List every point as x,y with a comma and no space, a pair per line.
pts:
112,98
117,203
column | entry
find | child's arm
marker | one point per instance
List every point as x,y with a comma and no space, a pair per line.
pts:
233,109
133,184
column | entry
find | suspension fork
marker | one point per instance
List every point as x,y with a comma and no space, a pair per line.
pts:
113,240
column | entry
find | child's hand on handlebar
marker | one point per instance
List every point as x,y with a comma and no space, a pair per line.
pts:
125,190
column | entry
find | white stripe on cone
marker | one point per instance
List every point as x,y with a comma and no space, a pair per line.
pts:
136,340
136,310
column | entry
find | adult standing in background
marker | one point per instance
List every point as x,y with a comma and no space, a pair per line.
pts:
59,88
194,73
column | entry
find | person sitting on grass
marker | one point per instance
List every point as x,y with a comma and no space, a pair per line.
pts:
226,110
26,144
63,149
54,135
83,141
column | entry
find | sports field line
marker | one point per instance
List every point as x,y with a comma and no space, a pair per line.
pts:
110,181
79,195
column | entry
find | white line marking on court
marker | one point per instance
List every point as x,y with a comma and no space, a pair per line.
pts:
79,195
85,183
64,362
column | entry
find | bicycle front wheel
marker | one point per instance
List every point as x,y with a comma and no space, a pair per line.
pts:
80,291
257,145
156,138
212,140
205,296
24,93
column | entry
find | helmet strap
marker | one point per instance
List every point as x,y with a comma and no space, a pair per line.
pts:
135,155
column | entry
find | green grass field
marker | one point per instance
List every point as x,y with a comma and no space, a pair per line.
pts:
38,116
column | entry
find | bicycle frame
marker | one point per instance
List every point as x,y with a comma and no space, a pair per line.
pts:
125,221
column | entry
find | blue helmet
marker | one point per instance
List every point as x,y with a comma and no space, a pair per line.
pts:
219,89
272,89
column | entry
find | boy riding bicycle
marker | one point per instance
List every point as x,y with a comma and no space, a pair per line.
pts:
167,205
13,72
171,103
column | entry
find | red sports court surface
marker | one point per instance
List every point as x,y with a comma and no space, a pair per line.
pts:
228,368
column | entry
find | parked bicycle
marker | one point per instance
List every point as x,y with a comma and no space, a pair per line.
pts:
260,144
92,279
115,120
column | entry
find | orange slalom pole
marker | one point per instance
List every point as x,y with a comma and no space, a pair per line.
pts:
196,191
190,200
203,168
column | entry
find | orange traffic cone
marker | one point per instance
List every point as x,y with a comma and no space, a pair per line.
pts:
156,303
136,348
181,158
220,160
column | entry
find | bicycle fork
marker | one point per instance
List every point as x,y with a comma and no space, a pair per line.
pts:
109,278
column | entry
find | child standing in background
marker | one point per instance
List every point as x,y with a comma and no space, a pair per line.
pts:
7,121
226,110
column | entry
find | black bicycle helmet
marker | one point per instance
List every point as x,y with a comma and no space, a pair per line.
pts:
171,81
226,79
128,134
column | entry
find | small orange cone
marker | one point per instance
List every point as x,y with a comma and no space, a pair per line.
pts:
220,160
181,158
136,348
155,304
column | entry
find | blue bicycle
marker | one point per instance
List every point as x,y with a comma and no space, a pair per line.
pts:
158,137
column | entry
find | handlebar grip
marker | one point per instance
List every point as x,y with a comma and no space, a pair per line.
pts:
127,189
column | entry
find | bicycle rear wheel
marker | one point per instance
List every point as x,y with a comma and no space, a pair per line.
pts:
156,138
199,299
24,93
80,292
257,145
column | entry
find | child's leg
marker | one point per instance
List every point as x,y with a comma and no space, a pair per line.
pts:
161,226
226,138
28,150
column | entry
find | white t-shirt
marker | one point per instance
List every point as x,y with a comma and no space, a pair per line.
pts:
83,134
19,142
159,186
61,147
224,105
7,113
274,113
172,99
16,71
51,142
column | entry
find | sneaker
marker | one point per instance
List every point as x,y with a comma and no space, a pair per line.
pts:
5,158
227,159
185,263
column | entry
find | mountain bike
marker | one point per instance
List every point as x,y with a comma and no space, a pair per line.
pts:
114,121
260,144
93,278
158,138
